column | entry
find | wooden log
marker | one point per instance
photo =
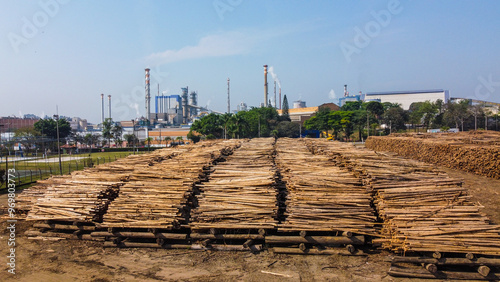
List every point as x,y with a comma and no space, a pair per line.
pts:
248,243
109,244
253,248
310,251
350,248
63,227
399,271
227,236
483,270
449,261
432,268
321,240
144,235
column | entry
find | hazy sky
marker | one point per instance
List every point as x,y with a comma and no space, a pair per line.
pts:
69,52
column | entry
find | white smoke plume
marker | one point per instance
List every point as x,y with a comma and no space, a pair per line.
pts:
332,94
136,107
275,77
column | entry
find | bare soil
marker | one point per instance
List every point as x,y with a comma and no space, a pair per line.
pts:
71,260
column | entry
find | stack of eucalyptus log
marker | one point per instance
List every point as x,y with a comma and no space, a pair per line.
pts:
241,192
157,196
465,151
321,195
422,208
85,195
115,172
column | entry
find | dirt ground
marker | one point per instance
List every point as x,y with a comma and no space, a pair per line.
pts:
69,260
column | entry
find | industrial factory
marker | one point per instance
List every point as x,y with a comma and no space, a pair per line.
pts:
172,109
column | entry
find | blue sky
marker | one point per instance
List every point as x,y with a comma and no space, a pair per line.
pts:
69,52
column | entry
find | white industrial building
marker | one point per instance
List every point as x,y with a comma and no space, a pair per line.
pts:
406,98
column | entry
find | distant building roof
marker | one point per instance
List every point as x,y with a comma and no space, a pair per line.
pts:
405,92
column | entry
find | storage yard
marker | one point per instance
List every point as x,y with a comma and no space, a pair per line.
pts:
473,151
294,209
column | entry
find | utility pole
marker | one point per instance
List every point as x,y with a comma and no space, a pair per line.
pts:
56,116
133,133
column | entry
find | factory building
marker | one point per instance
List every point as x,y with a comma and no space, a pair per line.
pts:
406,98
11,124
78,124
299,115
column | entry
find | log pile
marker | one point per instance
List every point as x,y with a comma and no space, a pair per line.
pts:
321,196
84,196
241,192
423,210
476,153
157,196
116,172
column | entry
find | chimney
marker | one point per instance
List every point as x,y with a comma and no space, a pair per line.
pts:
265,86
280,99
102,108
109,105
275,94
148,96
228,99
345,90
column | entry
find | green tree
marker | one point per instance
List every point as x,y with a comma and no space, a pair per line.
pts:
456,113
91,139
288,129
429,111
285,107
359,122
320,121
107,126
340,121
131,139
209,124
395,118
351,106
116,132
415,114
193,137
48,127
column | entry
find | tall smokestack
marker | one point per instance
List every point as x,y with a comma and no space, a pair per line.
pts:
228,99
345,90
280,98
109,106
275,94
265,86
148,96
102,108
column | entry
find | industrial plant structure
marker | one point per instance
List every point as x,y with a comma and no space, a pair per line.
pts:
404,98
176,109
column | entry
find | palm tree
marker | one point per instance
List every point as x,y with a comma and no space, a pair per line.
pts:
130,139
116,132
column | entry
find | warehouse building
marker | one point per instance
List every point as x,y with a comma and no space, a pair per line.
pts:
299,115
406,98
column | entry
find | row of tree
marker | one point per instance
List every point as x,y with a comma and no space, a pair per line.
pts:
370,118
256,122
